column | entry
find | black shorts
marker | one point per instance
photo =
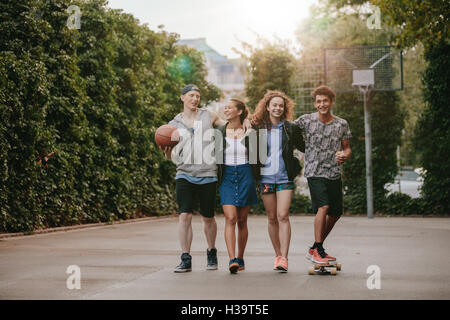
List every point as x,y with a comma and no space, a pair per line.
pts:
326,192
190,194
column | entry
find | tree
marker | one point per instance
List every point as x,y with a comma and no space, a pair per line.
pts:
433,130
188,66
412,102
427,22
423,21
270,67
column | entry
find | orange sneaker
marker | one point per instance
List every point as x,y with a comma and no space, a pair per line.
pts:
330,258
275,264
318,258
310,253
282,264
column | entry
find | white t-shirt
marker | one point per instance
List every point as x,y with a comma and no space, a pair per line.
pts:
235,152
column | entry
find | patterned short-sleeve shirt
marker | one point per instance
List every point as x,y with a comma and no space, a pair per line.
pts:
322,141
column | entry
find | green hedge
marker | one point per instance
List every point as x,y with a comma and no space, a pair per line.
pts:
94,97
433,128
401,204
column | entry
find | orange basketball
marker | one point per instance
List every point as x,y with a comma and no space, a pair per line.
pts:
165,136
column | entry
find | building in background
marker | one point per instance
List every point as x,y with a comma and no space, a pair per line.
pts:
227,74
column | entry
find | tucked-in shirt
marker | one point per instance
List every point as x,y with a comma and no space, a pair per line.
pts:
322,142
235,152
274,171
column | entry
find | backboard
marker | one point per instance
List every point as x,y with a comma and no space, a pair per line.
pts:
363,77
380,67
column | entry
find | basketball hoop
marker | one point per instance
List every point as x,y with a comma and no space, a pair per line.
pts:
369,68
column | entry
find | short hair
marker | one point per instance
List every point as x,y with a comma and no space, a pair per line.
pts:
324,90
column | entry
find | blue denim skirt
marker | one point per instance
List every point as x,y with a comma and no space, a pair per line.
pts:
238,187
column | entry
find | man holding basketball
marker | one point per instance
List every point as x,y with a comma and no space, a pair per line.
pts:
195,180
327,147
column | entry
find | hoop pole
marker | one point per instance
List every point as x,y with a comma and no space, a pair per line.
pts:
368,141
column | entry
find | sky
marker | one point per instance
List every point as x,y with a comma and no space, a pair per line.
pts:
224,23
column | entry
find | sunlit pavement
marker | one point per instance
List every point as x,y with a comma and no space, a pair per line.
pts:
136,261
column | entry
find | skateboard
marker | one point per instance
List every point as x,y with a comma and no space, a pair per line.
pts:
322,269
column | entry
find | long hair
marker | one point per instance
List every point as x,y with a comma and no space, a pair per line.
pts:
241,106
261,116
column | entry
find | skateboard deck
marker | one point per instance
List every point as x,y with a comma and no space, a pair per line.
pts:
323,269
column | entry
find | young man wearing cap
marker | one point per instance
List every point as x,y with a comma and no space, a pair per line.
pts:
195,178
327,140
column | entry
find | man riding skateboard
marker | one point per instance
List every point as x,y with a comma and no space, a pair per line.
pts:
327,139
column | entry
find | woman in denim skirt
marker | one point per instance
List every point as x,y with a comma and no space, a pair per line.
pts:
237,181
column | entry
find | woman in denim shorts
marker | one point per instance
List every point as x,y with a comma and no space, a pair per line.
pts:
277,175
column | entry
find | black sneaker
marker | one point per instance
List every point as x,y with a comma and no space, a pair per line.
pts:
241,264
233,266
185,265
211,259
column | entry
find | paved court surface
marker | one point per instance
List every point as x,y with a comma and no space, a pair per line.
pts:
136,261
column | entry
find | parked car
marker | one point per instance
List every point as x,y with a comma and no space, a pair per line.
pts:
408,182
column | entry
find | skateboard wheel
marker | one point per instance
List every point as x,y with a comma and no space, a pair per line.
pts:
311,271
333,271
338,267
